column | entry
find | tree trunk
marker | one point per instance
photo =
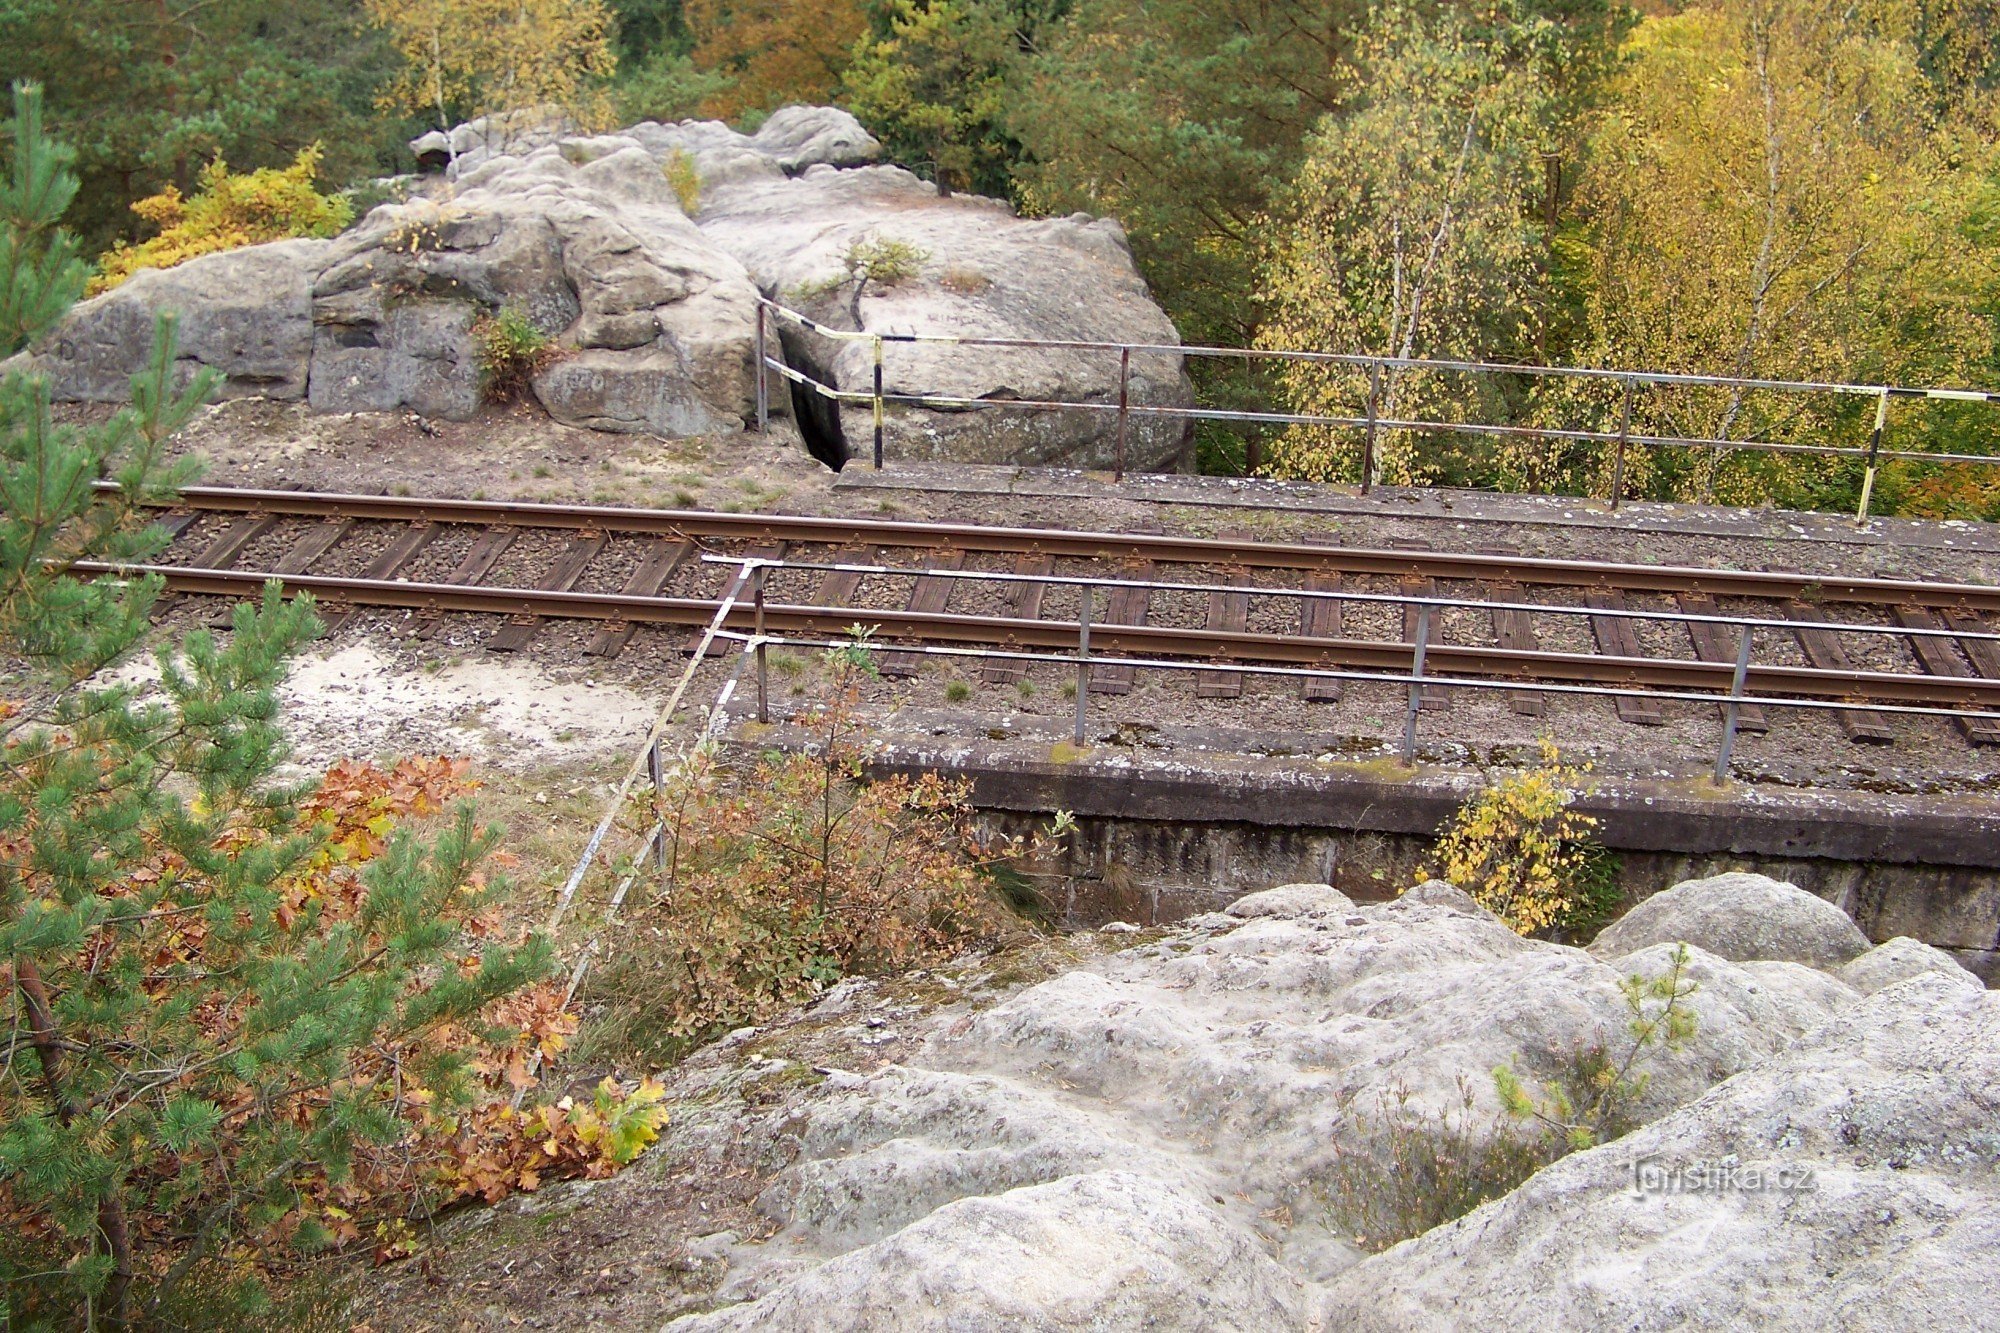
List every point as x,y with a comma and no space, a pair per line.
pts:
113,1233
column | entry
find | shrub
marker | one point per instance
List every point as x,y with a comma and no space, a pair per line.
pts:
1413,1170
227,212
1523,852
1596,1098
685,179
784,878
511,350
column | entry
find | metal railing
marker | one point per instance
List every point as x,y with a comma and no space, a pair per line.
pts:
757,641
1373,422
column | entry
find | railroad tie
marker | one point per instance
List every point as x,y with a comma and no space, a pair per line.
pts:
222,553
1413,584
837,587
1126,605
1228,612
1514,630
1716,643
929,597
1935,656
1023,602
662,558
1823,649
486,551
385,566
1320,618
561,577
1618,636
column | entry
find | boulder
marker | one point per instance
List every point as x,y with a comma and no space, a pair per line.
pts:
1246,1069
1103,1250
1740,917
245,313
1289,900
963,267
642,253
1852,1181
1899,960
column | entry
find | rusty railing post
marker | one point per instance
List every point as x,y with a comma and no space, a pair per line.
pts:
657,769
1083,657
1368,442
763,379
763,654
1733,708
1124,402
1416,686
1874,452
878,402
1618,455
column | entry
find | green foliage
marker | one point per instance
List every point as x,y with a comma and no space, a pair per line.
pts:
930,80
511,350
217,1017
150,94
1411,1170
685,180
1596,1100
40,266
229,211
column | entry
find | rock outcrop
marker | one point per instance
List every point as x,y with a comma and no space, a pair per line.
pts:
1173,1135
643,253
1738,916
1852,1182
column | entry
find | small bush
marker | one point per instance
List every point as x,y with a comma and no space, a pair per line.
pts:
511,351
1596,1098
885,260
1420,1170
685,180
228,212
1524,853
957,692
780,880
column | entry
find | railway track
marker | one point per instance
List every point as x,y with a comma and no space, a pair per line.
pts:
1494,614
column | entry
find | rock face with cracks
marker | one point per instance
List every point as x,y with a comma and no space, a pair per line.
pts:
1159,1138
642,254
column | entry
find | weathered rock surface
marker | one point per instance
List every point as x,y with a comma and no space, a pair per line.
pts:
642,253
1740,917
245,313
974,270
1899,960
1893,1106
1185,1104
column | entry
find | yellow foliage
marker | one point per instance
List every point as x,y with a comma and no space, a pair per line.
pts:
500,55
227,212
1519,846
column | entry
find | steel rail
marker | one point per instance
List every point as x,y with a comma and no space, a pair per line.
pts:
1087,545
1135,640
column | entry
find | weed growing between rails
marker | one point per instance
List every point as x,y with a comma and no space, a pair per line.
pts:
1413,1169
772,881
1524,853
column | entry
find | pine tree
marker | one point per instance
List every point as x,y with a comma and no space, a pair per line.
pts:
210,1020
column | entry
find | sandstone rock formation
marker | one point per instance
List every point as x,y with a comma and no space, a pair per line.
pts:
1892,1106
1738,916
643,253
1171,1135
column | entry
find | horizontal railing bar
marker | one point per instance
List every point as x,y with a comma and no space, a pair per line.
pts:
1345,595
1855,687
1363,360
1309,673
860,397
